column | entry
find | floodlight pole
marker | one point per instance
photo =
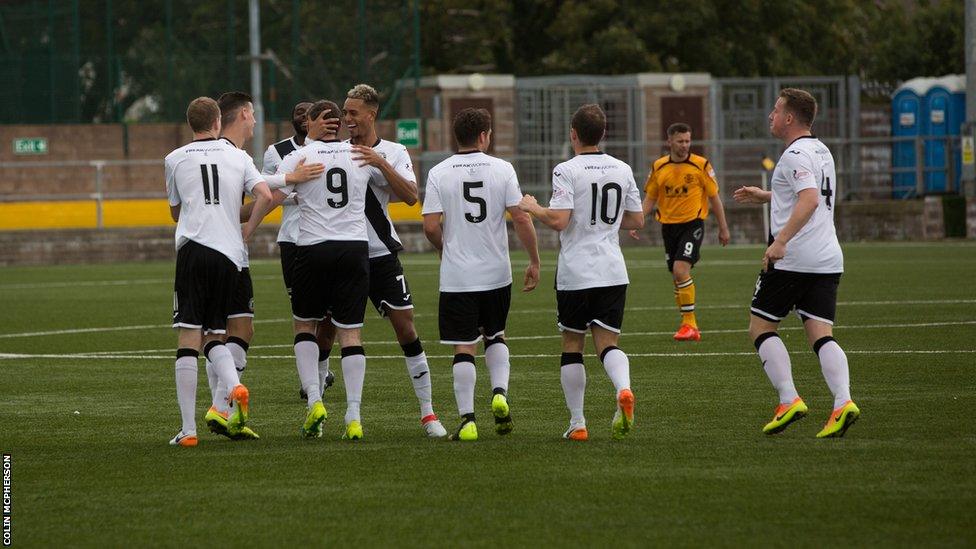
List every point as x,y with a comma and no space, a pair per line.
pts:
254,20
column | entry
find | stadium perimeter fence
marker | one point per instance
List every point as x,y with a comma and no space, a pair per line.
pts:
126,193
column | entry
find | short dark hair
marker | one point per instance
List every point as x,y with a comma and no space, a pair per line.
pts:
300,104
468,125
230,103
678,127
590,123
201,114
330,109
801,103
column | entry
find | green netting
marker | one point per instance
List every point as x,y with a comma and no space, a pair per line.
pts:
114,60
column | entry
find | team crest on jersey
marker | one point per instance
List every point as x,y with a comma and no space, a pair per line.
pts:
689,179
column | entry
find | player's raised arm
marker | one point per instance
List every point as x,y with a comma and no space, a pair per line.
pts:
751,195
554,219
403,188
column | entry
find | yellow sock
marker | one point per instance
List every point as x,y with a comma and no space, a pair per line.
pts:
685,296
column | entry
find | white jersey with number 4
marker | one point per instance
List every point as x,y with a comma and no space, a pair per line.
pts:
331,205
599,189
806,164
207,179
472,191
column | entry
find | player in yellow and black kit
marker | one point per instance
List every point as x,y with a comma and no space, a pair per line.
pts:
683,186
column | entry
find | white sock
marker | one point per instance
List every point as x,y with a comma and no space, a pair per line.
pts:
776,362
353,373
218,392
419,373
223,364
323,369
238,349
617,365
464,379
573,377
496,359
833,363
186,390
306,357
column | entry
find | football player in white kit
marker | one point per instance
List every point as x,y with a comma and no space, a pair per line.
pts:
388,288
236,127
205,180
331,272
465,202
594,196
802,265
288,230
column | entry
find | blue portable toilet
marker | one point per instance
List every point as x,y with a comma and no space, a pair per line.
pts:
906,121
944,105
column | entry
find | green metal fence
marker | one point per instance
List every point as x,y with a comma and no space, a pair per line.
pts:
65,61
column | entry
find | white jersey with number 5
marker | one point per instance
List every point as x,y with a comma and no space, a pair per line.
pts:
473,190
806,164
331,205
599,189
207,178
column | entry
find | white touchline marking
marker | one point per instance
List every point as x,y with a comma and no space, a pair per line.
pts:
558,336
525,311
400,357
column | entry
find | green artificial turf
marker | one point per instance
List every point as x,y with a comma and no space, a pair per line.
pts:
696,470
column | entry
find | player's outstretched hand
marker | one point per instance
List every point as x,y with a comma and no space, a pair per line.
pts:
366,156
724,237
634,234
528,203
307,172
531,277
749,195
774,253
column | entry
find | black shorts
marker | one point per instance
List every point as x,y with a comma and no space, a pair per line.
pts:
682,241
603,306
204,288
242,305
287,251
388,287
464,317
331,279
814,295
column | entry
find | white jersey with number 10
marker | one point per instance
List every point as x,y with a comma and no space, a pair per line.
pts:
599,189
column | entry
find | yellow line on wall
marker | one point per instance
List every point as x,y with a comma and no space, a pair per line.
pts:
82,214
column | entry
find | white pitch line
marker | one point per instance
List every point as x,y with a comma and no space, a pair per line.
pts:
552,311
9,356
558,336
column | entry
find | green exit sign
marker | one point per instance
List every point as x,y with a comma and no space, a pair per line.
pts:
30,145
408,132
